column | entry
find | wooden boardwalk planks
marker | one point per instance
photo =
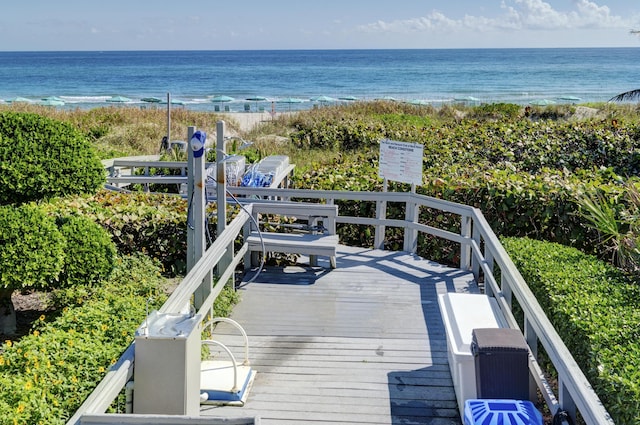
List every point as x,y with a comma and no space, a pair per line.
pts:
360,344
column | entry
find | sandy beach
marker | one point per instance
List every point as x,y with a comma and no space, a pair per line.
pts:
247,120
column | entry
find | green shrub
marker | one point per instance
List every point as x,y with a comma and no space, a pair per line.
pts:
496,111
139,222
47,375
90,254
596,310
32,256
41,158
32,253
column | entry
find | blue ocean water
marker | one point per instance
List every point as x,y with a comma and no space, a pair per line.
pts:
88,79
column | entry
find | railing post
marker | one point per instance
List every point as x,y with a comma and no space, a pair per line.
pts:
532,341
381,214
191,257
196,222
411,235
566,401
465,248
475,264
507,292
146,174
488,258
221,197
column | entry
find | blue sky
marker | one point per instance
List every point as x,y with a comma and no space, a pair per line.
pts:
34,25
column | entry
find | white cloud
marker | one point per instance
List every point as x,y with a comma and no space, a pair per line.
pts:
434,21
516,15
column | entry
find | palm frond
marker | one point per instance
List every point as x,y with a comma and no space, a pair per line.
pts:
599,214
626,96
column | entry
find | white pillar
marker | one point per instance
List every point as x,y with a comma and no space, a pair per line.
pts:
221,196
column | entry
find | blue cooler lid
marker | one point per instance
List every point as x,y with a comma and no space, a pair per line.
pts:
501,412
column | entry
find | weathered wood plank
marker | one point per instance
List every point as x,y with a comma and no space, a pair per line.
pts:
360,344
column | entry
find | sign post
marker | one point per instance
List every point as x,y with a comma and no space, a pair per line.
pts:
402,162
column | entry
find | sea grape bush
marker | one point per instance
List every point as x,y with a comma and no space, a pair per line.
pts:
596,310
153,224
42,158
522,174
138,222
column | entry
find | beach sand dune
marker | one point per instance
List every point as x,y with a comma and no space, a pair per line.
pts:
247,120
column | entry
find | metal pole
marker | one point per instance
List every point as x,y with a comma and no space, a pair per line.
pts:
169,121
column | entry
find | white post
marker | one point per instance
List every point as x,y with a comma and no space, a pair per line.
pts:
412,215
381,214
191,257
465,247
221,195
221,182
197,225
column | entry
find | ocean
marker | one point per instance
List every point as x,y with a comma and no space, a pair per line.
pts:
89,79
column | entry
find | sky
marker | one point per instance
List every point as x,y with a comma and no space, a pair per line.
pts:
41,25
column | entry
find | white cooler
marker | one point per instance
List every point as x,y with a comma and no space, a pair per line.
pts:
461,313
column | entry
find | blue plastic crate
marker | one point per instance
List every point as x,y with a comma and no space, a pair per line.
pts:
501,412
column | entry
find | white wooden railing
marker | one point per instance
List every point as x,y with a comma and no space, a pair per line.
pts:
480,252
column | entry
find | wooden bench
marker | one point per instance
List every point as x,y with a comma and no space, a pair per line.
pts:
313,232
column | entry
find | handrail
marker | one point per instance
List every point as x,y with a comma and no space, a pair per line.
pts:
118,375
480,252
571,376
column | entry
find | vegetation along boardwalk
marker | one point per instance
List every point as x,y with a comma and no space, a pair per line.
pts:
360,344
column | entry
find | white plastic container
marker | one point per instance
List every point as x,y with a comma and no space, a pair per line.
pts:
461,313
275,164
167,365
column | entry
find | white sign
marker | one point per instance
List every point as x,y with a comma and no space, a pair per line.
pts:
401,161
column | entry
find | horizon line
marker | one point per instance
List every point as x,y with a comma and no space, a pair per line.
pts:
316,50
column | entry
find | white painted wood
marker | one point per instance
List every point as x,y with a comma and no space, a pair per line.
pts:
487,254
363,343
102,419
310,243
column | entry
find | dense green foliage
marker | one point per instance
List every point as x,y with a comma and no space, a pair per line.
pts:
33,249
47,375
617,223
41,158
90,253
523,169
139,222
40,252
596,310
524,174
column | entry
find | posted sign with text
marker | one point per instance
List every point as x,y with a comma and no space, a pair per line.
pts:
401,161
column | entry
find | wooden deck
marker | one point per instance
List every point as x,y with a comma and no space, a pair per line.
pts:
360,344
